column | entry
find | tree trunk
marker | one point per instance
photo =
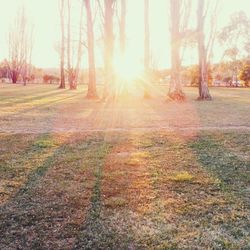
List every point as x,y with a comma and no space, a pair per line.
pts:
146,36
175,88
14,76
122,34
62,82
146,47
203,67
123,28
108,49
79,50
92,93
71,73
25,75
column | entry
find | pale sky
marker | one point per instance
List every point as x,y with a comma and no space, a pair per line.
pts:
45,16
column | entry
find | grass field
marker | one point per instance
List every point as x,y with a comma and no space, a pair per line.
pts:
44,108
130,174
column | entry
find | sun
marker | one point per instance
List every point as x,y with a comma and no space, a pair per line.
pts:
127,67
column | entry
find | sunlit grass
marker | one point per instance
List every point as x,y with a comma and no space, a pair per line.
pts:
136,189
44,108
83,188
181,176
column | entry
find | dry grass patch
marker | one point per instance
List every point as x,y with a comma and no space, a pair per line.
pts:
182,176
115,202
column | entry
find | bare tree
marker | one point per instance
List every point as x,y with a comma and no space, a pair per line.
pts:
146,37
235,36
70,69
203,52
179,16
30,51
74,44
20,47
80,43
62,54
92,93
108,48
123,27
146,48
175,91
122,18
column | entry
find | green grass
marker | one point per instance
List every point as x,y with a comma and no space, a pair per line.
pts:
65,187
80,191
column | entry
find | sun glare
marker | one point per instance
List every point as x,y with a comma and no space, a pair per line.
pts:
127,67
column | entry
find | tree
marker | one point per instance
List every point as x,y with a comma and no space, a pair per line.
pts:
20,47
235,37
232,54
92,93
203,53
181,36
70,69
123,27
245,73
74,45
175,89
191,74
4,69
29,67
122,30
146,46
62,53
108,48
80,43
236,33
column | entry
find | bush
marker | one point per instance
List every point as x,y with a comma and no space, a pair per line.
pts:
50,79
245,73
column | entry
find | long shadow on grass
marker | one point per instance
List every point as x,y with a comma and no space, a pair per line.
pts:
22,100
40,106
21,97
46,213
97,231
232,171
204,204
38,147
15,161
17,215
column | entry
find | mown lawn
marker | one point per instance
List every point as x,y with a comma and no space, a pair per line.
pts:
125,190
40,108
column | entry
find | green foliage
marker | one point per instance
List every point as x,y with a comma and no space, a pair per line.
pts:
192,75
245,73
238,27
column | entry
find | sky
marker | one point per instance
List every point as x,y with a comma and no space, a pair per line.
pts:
44,15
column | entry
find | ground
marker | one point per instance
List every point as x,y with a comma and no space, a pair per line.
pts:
123,174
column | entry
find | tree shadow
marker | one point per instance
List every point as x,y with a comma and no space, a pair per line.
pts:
226,165
52,92
97,230
47,211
